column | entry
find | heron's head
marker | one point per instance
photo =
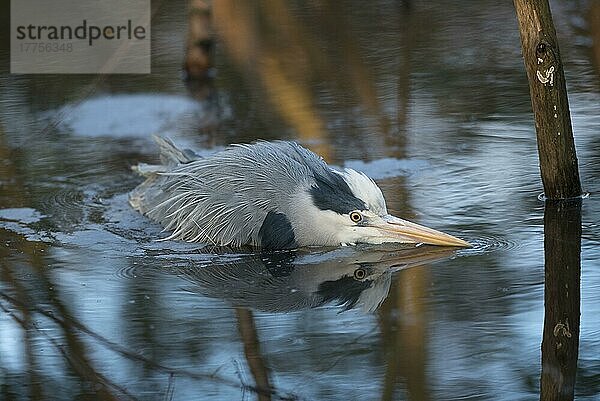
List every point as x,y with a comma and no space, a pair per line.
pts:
347,207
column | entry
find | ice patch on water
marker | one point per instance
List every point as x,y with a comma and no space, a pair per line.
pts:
24,215
121,116
17,220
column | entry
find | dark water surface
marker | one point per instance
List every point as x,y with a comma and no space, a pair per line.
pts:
431,100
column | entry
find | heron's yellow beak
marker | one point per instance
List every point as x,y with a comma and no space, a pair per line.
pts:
404,231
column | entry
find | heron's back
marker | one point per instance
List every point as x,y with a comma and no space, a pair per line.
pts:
226,198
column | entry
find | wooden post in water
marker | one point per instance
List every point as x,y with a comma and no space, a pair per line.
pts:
562,219
556,147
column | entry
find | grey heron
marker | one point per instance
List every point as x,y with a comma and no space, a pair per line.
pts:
270,195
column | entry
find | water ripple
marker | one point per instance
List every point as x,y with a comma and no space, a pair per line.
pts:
128,271
489,243
67,200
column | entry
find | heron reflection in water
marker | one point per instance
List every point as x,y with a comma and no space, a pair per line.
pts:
270,195
286,281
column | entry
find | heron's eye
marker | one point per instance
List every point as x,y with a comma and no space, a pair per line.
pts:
360,274
356,217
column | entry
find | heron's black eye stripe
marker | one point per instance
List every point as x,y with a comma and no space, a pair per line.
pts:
331,192
356,217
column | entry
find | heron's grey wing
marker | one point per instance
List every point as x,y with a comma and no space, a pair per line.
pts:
225,198
145,195
170,154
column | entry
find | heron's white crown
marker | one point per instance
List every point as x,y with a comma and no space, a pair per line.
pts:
365,189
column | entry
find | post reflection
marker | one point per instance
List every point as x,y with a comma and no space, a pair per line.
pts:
560,344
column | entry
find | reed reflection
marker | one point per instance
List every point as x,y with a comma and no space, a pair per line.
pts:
560,345
293,61
45,318
252,352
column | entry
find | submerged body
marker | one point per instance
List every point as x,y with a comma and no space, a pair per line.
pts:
272,195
